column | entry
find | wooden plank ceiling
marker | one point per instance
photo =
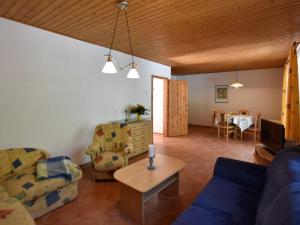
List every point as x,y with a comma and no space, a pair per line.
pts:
192,36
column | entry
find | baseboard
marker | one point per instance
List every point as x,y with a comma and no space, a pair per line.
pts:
197,125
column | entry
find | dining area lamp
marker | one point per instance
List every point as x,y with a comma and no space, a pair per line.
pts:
111,63
237,84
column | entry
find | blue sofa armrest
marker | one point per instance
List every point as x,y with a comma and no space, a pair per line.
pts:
243,173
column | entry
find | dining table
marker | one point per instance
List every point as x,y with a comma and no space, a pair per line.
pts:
242,121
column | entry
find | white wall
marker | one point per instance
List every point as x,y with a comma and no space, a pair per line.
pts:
261,93
158,105
52,92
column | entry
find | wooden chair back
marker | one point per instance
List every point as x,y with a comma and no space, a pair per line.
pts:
243,112
225,124
223,118
257,119
214,116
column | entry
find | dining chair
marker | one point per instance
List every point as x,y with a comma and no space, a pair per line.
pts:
254,129
214,116
225,125
243,112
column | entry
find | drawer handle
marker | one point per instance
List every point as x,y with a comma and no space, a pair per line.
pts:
138,138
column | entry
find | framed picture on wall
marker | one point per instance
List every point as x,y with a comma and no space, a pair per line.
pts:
221,93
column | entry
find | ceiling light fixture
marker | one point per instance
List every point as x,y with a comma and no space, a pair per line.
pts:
237,84
109,66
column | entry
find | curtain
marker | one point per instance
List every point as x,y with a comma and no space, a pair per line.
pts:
290,96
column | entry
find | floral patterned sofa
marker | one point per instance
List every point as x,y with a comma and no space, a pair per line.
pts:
111,145
18,184
12,212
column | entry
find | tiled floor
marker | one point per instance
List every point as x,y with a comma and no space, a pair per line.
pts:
97,202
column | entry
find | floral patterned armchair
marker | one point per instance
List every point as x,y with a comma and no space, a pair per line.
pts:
111,145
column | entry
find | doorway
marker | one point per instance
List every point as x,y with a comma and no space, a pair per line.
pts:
158,107
169,106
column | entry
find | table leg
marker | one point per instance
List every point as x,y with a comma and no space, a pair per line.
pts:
132,203
235,131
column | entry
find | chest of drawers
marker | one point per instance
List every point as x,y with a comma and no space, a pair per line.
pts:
142,136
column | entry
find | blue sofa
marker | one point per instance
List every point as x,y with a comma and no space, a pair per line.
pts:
242,193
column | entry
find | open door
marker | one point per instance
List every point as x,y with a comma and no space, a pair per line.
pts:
169,106
159,110
177,107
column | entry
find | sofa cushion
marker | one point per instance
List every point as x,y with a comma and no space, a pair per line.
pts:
229,202
108,161
24,186
22,158
279,203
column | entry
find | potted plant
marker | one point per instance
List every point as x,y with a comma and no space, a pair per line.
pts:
139,110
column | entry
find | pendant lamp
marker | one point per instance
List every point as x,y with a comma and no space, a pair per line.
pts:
237,84
111,63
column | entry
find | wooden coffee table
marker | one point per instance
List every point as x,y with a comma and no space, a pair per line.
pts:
138,184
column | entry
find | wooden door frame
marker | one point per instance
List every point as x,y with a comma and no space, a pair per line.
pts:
166,98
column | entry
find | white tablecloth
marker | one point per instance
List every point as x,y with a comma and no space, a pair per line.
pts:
242,121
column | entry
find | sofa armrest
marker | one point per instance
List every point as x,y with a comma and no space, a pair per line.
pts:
128,148
44,154
93,149
90,151
75,171
243,173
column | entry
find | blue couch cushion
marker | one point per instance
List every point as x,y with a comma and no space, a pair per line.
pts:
222,202
280,201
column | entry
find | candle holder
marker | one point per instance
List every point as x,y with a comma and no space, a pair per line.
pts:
151,163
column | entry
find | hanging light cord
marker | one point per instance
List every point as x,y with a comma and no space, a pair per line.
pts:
236,73
130,43
113,37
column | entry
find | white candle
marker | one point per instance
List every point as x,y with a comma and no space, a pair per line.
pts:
151,151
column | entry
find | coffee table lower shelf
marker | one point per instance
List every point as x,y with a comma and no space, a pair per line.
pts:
132,201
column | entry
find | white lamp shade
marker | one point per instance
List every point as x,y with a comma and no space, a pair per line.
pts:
109,67
133,74
237,85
